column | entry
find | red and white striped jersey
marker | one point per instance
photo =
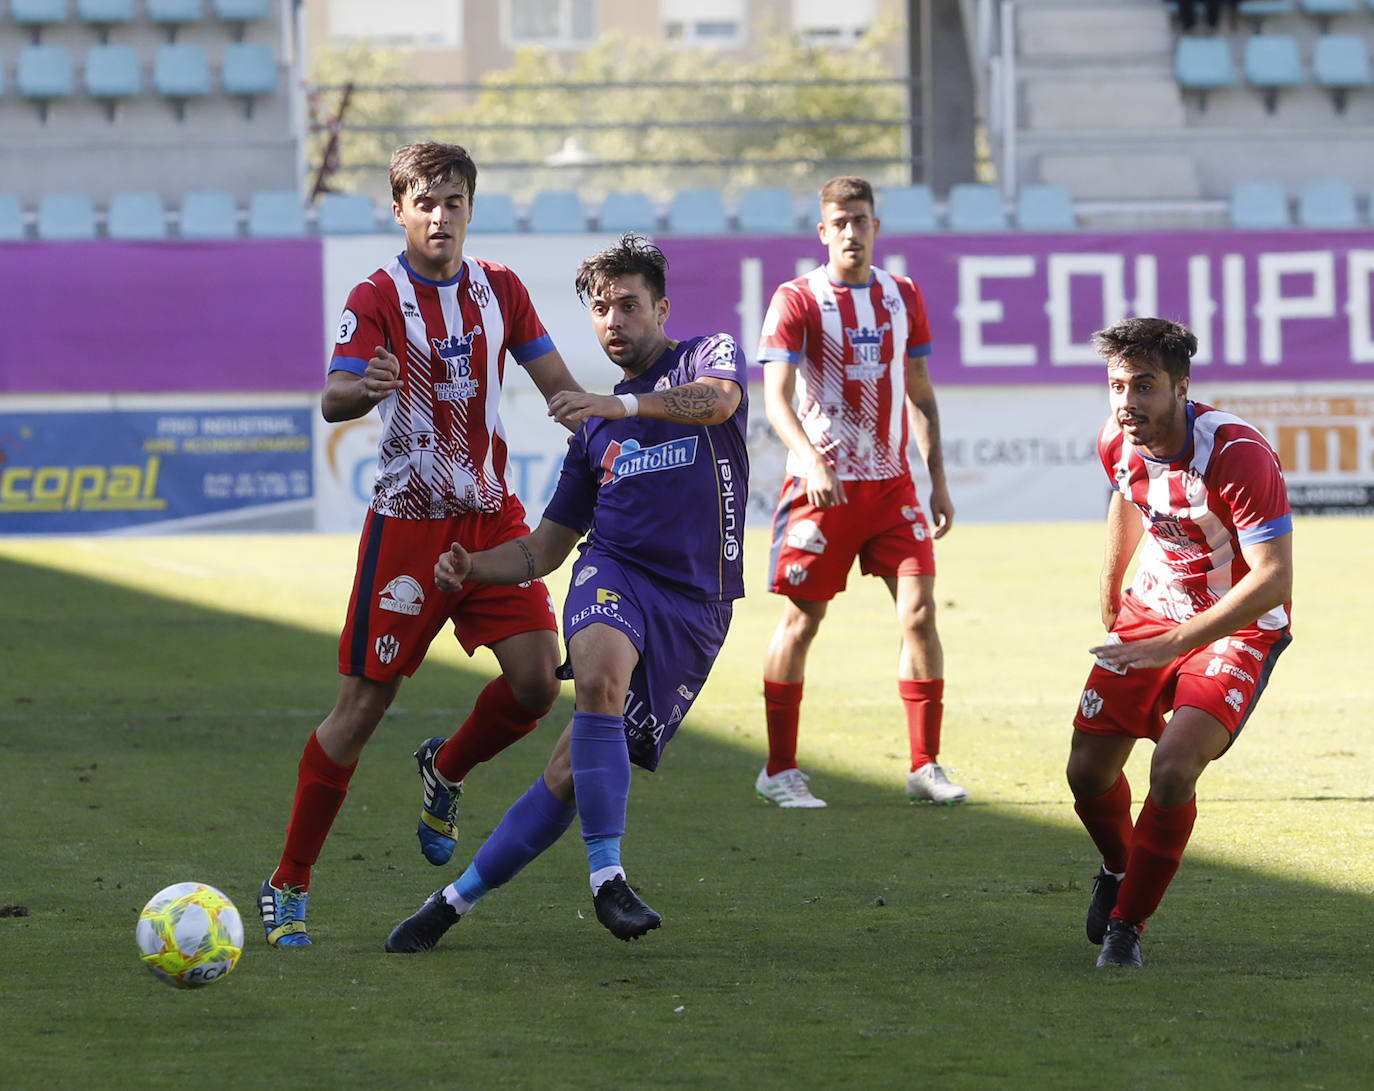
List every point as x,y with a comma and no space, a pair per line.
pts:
851,345
443,448
1223,491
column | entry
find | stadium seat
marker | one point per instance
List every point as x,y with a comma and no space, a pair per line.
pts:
248,69
136,216
238,13
1256,11
976,206
112,73
1271,64
208,214
103,14
43,74
557,212
171,14
1324,10
276,214
11,218
627,211
66,216
907,208
1340,63
697,212
1045,208
1259,205
181,72
346,214
1203,64
494,213
767,211
1327,204
34,15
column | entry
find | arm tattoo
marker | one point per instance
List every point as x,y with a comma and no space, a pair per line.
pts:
529,559
691,403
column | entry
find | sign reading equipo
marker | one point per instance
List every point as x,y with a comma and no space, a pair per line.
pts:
105,470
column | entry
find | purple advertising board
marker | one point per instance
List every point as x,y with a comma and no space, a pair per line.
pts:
1014,308
176,316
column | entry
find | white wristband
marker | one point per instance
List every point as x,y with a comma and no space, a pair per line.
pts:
631,404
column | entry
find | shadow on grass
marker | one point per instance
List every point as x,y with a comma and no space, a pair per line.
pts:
145,740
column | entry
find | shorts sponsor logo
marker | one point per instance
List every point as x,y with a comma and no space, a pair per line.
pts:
609,599
641,725
807,537
1226,643
1235,699
402,595
1091,703
586,574
348,326
608,615
1219,666
386,648
795,574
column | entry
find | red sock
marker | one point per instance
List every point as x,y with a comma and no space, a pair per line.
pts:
1160,837
1107,818
924,701
782,713
321,784
496,721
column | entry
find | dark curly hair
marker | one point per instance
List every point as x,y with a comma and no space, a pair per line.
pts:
632,254
1154,341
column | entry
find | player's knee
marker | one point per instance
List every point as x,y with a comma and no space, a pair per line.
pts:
1173,778
599,691
536,692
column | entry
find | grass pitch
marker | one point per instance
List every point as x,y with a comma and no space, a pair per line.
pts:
156,693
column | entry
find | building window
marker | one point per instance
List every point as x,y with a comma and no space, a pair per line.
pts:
704,22
558,23
412,24
824,22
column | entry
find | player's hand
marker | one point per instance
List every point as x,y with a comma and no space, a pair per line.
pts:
1154,651
452,568
824,489
941,510
383,375
571,408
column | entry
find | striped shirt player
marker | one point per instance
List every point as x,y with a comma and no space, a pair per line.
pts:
846,387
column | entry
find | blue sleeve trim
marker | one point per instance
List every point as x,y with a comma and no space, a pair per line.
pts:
525,353
768,355
348,363
919,350
1266,532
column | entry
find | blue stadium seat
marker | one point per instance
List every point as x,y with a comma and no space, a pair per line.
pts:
557,212
208,214
346,214
1327,204
907,208
276,214
103,14
249,69
1259,205
1203,65
697,212
1340,63
767,211
1256,11
181,72
1324,10
112,73
238,13
494,213
1272,63
627,211
11,218
45,73
34,15
1045,208
137,215
171,14
66,216
976,206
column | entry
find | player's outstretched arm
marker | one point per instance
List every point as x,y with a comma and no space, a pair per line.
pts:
348,396
517,561
704,401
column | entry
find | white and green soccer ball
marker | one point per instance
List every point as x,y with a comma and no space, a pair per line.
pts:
190,935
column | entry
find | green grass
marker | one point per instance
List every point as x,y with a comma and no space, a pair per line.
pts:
156,693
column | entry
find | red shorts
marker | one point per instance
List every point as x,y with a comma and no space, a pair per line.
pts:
881,523
395,611
1224,679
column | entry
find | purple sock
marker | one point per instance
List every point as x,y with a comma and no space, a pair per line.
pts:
534,822
601,773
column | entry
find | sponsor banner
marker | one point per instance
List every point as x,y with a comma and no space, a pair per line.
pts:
161,317
101,470
1021,308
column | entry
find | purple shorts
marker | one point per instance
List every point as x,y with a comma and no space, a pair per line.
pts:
677,637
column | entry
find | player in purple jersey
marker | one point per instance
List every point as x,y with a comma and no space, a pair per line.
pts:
655,479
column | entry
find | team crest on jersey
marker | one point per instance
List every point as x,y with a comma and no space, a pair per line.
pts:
386,648
479,293
806,536
402,595
1091,704
867,345
456,352
586,574
629,459
892,303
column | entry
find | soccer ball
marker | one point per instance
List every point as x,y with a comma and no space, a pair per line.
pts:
190,935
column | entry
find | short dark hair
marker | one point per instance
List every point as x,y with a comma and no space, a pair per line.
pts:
845,188
1155,341
428,164
632,254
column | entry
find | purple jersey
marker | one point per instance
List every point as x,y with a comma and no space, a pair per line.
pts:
664,496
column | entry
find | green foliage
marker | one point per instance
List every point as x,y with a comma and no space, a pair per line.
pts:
158,690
